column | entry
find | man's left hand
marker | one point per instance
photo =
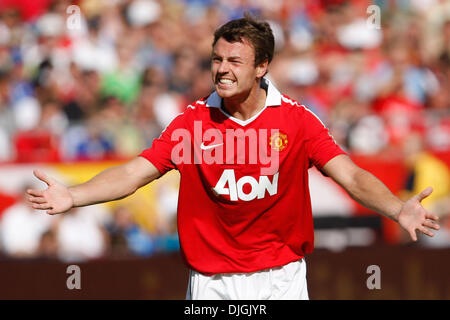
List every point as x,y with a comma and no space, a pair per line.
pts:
413,216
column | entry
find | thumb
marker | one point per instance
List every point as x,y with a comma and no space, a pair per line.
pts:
413,235
43,177
425,193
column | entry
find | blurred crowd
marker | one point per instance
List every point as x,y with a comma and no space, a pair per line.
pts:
85,233
100,80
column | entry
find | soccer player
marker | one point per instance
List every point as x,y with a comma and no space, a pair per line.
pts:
243,153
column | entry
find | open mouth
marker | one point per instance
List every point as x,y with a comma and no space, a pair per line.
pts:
225,83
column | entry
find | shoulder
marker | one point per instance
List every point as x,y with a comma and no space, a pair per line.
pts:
289,102
191,110
296,107
196,110
293,104
197,107
200,104
300,114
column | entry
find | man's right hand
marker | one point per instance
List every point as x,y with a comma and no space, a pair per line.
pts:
55,199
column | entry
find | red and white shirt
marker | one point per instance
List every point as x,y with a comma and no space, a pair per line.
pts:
244,202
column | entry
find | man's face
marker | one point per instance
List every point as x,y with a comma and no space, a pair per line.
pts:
233,68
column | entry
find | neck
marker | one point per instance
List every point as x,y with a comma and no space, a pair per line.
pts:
245,107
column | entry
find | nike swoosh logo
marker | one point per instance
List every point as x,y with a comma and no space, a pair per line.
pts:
203,147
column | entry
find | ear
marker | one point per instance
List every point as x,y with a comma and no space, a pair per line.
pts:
261,69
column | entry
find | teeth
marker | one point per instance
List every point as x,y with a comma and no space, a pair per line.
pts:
226,81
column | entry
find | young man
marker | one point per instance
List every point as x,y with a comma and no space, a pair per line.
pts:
244,212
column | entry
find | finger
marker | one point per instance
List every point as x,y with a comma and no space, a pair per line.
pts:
51,212
41,206
43,177
432,216
413,235
431,224
425,193
38,200
35,193
426,231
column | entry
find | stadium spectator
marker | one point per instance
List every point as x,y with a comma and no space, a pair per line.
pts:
48,245
21,228
80,235
126,237
426,169
117,43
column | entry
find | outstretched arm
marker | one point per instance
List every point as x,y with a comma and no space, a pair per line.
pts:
111,184
370,192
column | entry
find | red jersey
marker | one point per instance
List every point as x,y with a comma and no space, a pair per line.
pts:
244,202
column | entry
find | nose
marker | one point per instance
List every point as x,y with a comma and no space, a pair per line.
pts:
223,67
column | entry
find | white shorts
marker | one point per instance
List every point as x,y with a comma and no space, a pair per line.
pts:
282,283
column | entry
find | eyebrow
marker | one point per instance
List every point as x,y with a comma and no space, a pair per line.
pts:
229,58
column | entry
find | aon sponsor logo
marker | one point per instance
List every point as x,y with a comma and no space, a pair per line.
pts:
227,185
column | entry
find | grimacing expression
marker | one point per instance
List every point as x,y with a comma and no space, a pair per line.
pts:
233,68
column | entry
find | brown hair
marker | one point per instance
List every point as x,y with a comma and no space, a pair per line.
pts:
257,32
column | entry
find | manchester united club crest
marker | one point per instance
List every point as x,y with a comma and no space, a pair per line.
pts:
278,141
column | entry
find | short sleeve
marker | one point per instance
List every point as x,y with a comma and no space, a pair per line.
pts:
160,153
320,144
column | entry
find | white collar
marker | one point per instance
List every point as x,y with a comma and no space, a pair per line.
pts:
273,96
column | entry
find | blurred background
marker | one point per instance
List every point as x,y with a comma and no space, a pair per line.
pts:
88,87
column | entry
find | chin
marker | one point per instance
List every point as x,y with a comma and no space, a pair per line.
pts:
225,93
